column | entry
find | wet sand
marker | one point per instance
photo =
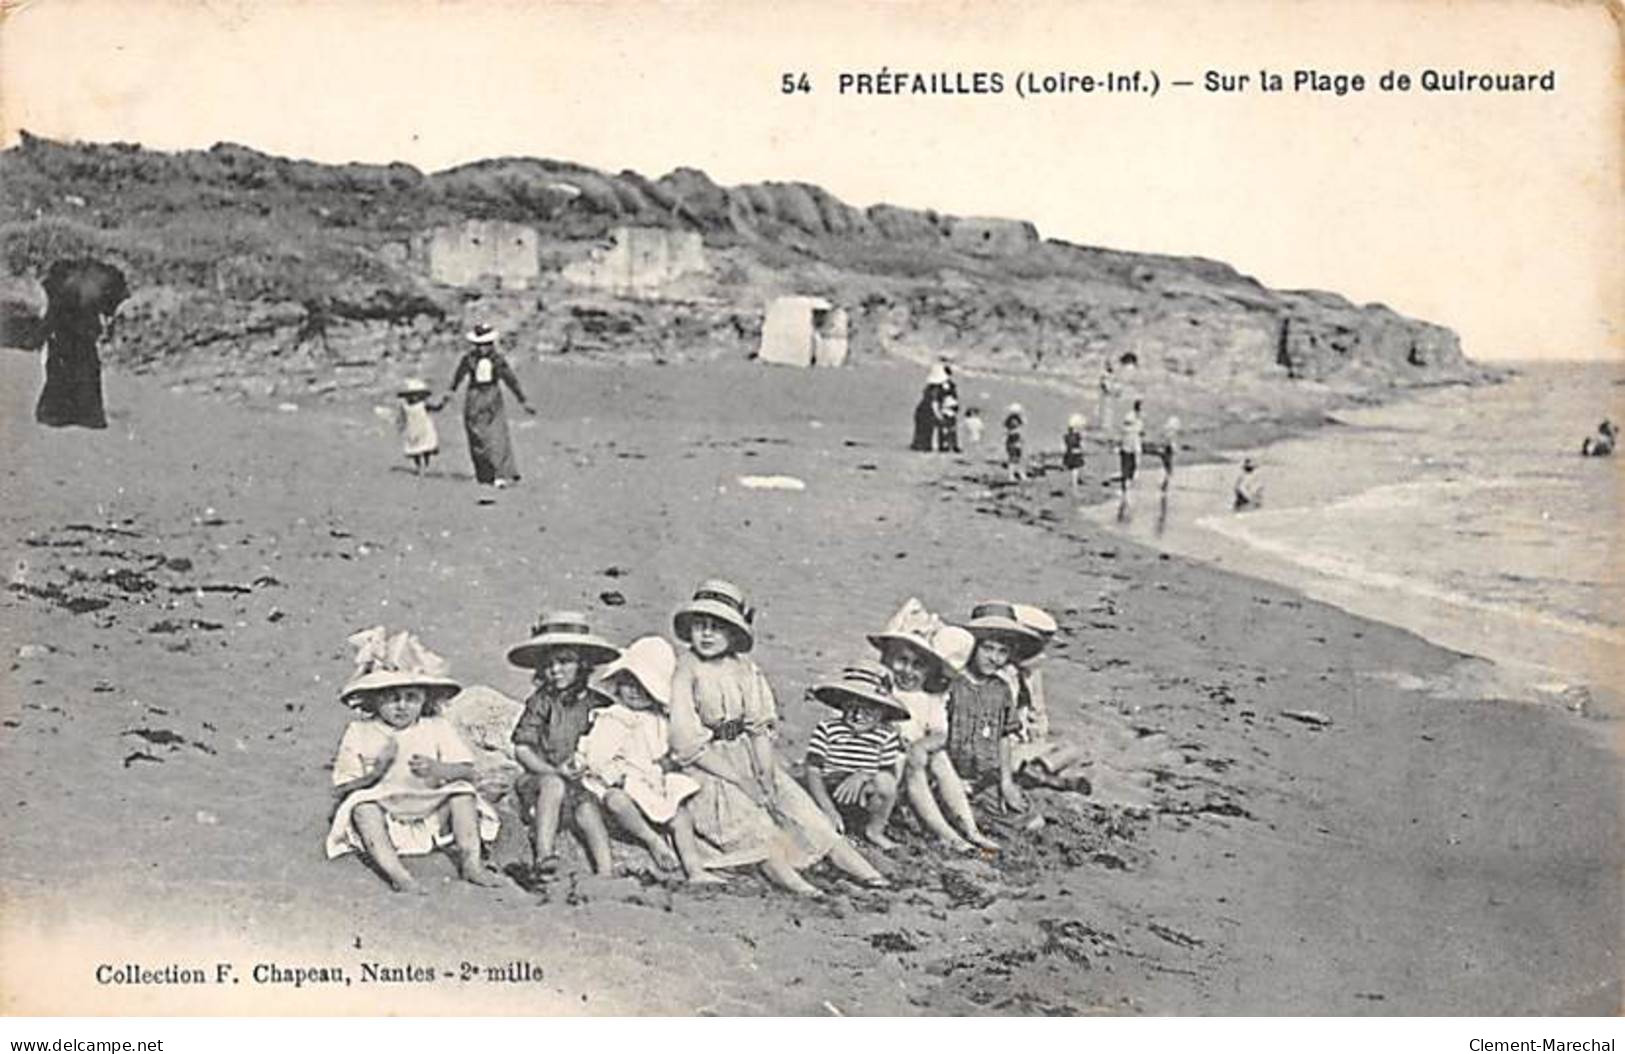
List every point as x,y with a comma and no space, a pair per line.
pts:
181,586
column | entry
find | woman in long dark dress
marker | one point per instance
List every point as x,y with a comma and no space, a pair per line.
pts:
81,297
485,418
928,410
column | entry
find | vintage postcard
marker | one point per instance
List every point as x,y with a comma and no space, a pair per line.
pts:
820,509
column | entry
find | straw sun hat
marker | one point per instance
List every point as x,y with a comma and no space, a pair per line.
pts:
1075,421
401,661
998,618
948,646
414,386
482,334
562,629
864,682
649,659
721,600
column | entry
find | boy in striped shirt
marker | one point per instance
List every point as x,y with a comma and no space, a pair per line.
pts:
855,761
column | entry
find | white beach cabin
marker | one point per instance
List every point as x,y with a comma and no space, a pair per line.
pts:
803,331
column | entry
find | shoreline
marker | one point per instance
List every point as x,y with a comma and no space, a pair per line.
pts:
1350,868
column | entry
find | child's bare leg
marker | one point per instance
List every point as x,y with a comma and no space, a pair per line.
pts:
688,849
844,856
549,806
633,822
881,800
955,797
917,785
789,878
368,818
590,822
465,830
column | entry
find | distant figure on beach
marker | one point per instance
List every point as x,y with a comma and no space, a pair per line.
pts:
1015,462
1166,449
81,298
1108,389
1130,444
974,425
1072,450
1249,487
485,419
928,409
1602,444
420,441
948,422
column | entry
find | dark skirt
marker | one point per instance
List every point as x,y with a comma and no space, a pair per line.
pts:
925,423
486,421
73,384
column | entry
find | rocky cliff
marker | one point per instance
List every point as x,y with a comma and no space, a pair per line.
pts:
250,265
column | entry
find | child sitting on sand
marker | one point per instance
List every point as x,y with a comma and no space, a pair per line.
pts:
561,652
1072,450
982,719
1039,758
619,759
419,440
1014,460
924,656
859,752
402,774
723,722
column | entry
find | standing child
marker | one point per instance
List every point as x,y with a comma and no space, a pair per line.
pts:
620,758
403,776
982,718
924,656
723,722
948,422
419,439
1129,446
859,752
1170,444
974,425
561,652
1072,450
1014,460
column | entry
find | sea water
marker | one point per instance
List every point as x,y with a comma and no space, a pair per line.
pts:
1466,515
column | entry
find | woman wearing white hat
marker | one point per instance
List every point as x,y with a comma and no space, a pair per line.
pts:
485,419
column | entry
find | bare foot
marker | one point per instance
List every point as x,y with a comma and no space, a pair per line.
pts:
706,878
879,840
665,859
982,841
408,884
480,875
957,844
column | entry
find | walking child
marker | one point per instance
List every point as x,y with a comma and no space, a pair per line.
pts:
1165,451
1130,445
621,758
974,425
723,722
419,439
1014,460
402,774
561,653
1072,450
855,760
924,655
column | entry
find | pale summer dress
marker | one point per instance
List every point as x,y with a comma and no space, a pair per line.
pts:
418,433
412,809
623,748
716,706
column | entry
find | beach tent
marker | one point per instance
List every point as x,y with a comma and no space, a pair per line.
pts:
803,331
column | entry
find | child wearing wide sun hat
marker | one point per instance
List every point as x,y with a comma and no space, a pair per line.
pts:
723,723
855,761
561,652
620,758
403,775
924,656
982,720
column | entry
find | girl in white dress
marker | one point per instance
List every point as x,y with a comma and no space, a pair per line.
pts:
403,775
621,757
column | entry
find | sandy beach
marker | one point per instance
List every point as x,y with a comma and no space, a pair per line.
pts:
181,587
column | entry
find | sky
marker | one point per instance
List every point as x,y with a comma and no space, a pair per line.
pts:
1500,215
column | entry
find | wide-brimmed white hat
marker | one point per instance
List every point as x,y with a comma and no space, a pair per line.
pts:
865,682
1014,408
414,386
918,628
1036,619
651,660
562,629
400,661
482,334
997,618
936,374
721,600
1076,421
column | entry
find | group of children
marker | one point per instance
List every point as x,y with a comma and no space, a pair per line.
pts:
678,749
1131,446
